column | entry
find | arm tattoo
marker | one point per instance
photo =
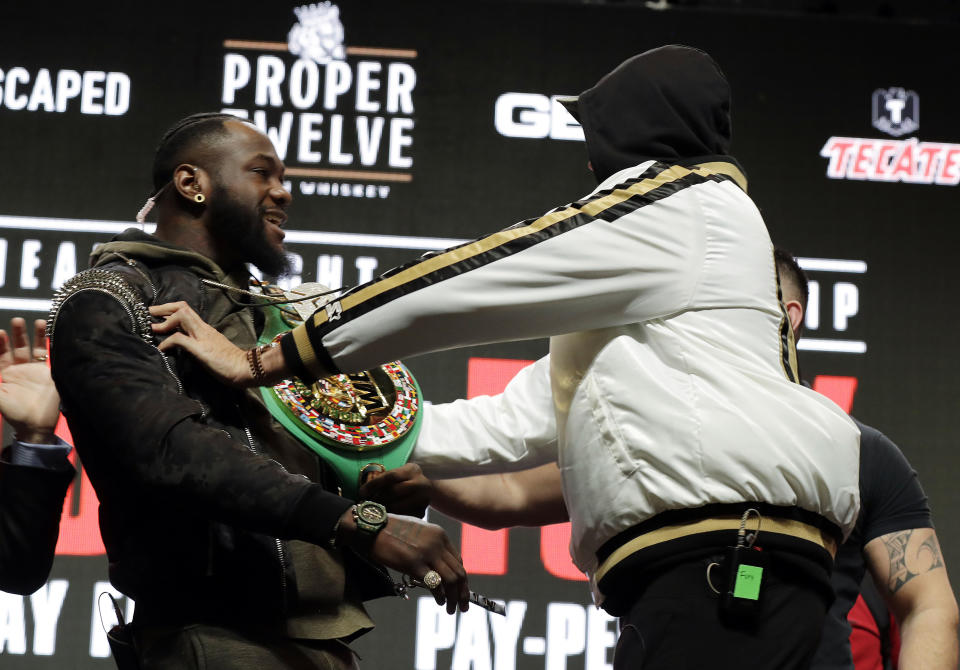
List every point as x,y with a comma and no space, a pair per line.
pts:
924,559
931,551
897,551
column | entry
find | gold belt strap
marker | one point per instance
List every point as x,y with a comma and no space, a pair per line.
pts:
797,529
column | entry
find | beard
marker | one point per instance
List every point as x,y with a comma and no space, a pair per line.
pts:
241,229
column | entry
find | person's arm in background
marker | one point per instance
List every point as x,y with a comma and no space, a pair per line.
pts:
903,555
34,471
489,433
531,497
910,572
526,498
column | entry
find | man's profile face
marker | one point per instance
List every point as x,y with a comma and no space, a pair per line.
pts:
246,207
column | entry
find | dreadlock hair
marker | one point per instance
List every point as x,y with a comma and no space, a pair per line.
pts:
184,135
790,272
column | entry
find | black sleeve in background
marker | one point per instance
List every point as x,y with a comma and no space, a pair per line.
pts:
891,496
31,500
133,425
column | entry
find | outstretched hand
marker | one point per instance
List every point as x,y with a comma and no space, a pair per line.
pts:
404,490
185,329
28,398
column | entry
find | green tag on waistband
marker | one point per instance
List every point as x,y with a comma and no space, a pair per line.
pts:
748,581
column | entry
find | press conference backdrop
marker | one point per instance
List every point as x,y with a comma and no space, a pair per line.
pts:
435,123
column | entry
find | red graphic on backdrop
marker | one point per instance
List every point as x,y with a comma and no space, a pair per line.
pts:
555,552
485,552
79,523
839,389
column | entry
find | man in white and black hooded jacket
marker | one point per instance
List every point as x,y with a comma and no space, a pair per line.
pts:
669,398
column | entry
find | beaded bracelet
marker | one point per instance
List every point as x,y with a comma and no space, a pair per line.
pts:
256,365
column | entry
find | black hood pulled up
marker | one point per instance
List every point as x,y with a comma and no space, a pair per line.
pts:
670,104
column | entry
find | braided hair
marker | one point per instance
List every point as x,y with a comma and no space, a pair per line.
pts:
184,135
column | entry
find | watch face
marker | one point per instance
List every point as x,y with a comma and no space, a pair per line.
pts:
372,513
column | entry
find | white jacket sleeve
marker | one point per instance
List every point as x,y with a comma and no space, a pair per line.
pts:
510,431
631,251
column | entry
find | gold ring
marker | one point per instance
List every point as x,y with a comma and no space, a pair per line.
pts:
41,358
432,580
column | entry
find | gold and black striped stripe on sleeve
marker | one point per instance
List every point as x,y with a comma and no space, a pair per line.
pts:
303,349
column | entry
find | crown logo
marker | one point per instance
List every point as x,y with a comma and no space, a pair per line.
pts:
318,34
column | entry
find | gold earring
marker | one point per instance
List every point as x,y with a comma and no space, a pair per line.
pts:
199,198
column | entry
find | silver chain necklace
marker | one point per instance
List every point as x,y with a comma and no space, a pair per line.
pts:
268,299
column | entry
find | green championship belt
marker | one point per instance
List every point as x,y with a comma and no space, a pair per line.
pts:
358,423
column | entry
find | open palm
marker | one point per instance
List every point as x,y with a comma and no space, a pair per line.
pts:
28,399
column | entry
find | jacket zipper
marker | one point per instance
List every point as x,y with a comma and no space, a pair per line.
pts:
133,264
166,364
281,554
153,289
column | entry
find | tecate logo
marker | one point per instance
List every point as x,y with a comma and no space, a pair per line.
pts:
909,161
896,111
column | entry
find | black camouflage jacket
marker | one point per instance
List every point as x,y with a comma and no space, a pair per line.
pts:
196,481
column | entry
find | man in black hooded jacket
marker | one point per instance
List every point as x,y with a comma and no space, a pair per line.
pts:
669,398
